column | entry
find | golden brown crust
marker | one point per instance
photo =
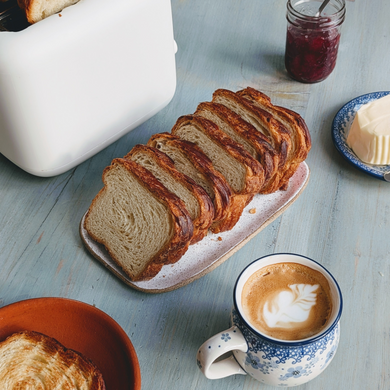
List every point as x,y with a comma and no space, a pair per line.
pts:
29,359
266,154
300,136
182,223
264,101
254,179
278,136
25,6
253,182
36,10
239,202
221,189
203,221
151,270
302,125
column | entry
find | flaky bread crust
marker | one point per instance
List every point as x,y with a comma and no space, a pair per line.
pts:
278,136
266,154
37,10
182,223
221,189
299,132
255,176
254,171
203,221
26,7
264,102
238,203
32,360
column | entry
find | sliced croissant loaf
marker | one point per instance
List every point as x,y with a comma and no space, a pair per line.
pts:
190,160
299,133
265,123
31,360
141,223
37,10
254,142
197,201
244,174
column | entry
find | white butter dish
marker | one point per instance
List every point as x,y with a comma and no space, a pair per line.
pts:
77,81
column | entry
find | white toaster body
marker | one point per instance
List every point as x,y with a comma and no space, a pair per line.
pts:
75,82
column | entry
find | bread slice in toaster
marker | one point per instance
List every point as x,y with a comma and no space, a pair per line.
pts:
244,174
299,133
264,122
31,360
190,160
197,201
242,132
37,10
141,224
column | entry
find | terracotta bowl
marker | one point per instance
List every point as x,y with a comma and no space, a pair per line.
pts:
80,327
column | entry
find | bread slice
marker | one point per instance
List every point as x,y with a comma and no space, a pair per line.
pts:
265,123
299,133
197,201
31,360
254,142
190,160
141,223
244,174
37,10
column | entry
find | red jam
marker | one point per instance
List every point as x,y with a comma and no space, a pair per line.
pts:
311,53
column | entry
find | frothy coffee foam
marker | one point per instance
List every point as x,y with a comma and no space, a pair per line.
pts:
287,301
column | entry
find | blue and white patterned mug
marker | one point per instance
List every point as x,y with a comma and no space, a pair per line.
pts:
271,361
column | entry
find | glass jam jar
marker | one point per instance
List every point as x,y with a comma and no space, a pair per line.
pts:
312,41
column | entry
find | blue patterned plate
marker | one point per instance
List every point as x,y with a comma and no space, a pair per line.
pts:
340,128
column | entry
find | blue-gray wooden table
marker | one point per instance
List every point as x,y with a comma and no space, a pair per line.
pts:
342,219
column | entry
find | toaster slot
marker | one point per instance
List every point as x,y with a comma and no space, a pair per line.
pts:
12,18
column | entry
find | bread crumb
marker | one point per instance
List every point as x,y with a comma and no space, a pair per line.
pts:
252,211
219,238
59,15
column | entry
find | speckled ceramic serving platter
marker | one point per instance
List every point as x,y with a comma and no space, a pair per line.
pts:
342,122
206,255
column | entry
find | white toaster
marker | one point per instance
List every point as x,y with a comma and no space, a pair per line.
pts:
75,82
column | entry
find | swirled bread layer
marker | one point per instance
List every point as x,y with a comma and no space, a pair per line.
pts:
33,361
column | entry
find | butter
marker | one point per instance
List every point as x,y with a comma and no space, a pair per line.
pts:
369,136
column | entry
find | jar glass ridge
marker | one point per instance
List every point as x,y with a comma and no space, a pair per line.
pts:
312,41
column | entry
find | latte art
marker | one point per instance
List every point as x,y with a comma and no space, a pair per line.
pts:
287,301
290,306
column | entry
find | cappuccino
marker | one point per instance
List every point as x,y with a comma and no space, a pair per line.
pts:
287,301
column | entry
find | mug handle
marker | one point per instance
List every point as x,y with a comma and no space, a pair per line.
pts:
216,346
